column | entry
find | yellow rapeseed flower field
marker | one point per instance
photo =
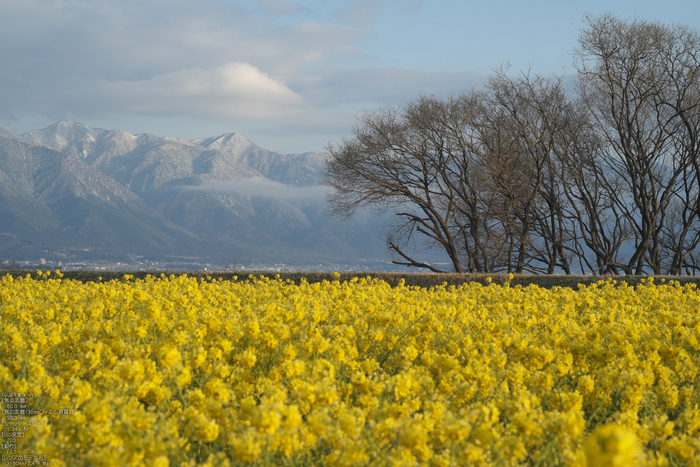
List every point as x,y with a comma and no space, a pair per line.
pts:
175,371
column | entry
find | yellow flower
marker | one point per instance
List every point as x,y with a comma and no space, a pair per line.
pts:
661,427
169,357
614,446
405,385
268,418
158,368
246,447
184,378
82,390
199,427
248,359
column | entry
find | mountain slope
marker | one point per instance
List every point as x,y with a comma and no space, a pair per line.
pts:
115,193
6,132
58,201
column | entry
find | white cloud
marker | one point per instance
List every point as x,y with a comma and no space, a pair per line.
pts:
234,91
263,188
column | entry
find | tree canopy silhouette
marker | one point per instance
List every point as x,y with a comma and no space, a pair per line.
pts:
526,175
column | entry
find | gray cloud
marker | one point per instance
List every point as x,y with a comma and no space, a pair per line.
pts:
360,12
263,188
365,12
72,56
197,67
371,85
279,7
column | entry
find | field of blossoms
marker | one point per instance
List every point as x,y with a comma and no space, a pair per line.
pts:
178,371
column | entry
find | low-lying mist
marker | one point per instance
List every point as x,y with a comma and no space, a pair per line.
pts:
264,188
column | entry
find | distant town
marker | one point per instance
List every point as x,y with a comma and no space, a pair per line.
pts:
149,265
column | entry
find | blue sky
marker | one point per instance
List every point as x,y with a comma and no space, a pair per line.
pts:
289,75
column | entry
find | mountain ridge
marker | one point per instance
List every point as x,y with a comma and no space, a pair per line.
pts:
69,190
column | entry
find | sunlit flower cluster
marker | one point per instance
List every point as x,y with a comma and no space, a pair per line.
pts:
172,371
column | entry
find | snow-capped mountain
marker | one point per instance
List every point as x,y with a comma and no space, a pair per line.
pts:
6,132
69,189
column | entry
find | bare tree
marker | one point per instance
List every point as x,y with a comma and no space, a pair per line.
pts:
390,163
472,175
538,119
521,176
682,71
230,262
636,79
